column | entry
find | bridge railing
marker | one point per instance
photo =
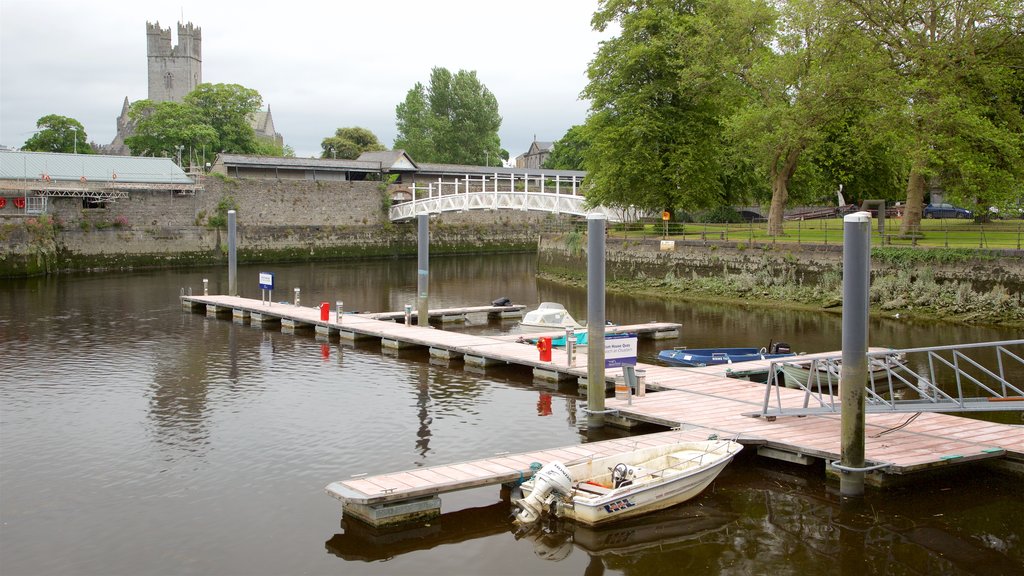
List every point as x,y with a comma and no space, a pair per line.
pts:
540,183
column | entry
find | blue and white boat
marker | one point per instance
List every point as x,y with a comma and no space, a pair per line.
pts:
697,357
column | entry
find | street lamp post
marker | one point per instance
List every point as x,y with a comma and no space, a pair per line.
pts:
75,128
179,147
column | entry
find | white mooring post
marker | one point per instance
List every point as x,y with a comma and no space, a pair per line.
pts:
206,287
296,297
854,370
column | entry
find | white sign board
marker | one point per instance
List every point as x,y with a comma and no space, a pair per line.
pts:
619,350
266,280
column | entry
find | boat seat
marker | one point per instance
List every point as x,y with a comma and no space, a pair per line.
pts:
688,457
592,488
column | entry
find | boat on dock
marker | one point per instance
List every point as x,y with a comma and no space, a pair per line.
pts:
699,357
549,316
602,490
819,375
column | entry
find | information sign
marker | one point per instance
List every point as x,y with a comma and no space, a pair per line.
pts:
266,280
619,350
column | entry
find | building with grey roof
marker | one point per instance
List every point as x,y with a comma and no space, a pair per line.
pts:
38,177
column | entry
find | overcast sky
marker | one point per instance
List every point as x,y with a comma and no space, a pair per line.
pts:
318,65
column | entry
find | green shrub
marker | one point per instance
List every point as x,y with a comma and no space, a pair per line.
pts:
720,215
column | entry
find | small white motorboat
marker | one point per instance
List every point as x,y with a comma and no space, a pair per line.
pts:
625,485
549,316
823,374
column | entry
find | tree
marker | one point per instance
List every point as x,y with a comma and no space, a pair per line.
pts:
567,153
227,108
349,143
660,94
804,90
58,134
161,128
454,120
954,85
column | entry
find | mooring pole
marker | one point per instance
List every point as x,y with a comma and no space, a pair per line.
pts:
595,320
423,268
854,371
232,256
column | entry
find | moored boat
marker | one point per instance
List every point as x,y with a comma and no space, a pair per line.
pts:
825,374
624,485
549,316
697,357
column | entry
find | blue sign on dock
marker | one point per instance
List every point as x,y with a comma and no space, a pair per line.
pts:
266,280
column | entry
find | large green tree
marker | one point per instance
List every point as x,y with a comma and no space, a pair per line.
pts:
454,120
953,84
349,143
58,134
228,109
806,92
161,128
215,117
660,93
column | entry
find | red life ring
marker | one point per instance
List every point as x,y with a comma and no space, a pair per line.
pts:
19,202
3,202
82,179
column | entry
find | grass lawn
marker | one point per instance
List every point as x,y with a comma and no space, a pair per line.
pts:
1000,234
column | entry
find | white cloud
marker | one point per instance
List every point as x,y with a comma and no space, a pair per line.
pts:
319,65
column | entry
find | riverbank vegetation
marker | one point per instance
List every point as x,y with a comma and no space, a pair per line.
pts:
905,294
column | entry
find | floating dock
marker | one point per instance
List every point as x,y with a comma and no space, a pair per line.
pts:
696,402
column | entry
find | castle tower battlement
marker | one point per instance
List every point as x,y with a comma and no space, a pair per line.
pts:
174,70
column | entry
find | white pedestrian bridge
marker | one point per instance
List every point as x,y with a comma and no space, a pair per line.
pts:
540,193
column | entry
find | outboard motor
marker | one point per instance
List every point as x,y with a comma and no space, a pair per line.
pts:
551,481
780,348
503,301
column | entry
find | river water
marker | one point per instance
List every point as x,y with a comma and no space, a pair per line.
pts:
138,439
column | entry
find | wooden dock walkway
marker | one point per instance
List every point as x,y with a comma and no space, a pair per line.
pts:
698,402
406,495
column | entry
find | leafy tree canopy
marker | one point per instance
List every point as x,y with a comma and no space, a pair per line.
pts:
215,117
659,96
228,108
453,120
161,128
567,153
349,143
58,134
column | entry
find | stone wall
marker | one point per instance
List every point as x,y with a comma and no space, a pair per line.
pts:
277,221
632,258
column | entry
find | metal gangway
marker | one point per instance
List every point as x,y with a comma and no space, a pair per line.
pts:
981,377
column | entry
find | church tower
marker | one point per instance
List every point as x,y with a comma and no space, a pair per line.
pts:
174,71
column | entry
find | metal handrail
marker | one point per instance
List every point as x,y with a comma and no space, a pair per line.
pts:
895,376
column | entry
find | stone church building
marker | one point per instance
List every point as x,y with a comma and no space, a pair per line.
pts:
174,70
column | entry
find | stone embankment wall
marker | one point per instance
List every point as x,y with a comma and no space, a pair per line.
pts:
277,221
631,258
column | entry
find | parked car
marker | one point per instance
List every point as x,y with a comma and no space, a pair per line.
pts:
946,211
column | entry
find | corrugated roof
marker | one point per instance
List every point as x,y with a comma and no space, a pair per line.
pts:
314,163
17,165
